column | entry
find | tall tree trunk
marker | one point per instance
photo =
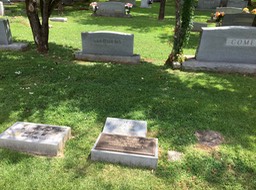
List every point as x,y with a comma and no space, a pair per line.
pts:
40,30
162,10
173,53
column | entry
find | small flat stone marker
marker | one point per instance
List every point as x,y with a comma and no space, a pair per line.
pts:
58,19
35,138
125,127
174,156
128,150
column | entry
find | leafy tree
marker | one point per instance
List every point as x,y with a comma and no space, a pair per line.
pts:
38,12
183,24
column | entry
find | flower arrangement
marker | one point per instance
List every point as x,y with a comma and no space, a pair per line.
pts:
253,11
94,6
246,10
128,7
219,16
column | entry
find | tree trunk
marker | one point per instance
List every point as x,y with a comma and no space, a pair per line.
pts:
162,10
40,30
173,53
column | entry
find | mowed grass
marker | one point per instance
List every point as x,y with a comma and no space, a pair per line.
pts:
56,89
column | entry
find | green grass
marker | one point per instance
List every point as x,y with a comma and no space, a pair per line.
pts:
56,89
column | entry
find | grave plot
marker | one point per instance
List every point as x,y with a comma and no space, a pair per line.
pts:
124,141
35,138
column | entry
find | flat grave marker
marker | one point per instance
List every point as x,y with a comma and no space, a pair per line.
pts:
35,138
125,127
128,150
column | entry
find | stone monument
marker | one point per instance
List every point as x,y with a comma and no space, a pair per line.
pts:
6,42
208,4
111,9
1,9
108,46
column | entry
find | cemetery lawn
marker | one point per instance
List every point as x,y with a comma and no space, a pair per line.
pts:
55,89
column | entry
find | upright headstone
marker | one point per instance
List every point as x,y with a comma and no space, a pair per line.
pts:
229,10
111,9
145,4
235,44
125,1
6,1
208,4
5,32
237,3
1,9
242,19
125,127
108,46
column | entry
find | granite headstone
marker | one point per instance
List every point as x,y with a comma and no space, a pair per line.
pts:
5,32
242,19
111,9
235,44
229,10
208,4
237,3
125,1
125,127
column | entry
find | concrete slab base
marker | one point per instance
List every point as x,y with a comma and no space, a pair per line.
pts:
129,159
195,65
14,47
35,138
135,59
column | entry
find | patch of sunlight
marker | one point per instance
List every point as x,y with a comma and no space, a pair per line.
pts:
136,115
206,81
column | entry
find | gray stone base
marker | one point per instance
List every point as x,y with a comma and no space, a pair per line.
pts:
14,47
135,59
58,19
35,138
243,68
112,15
125,158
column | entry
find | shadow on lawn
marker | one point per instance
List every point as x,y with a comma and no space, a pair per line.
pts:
175,106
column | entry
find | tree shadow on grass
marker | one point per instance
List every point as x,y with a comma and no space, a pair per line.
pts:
55,89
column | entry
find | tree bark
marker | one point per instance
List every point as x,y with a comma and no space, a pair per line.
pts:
162,10
173,53
40,30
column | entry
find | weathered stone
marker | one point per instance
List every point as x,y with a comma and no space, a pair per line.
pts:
1,9
15,47
35,138
108,47
242,68
242,19
125,127
209,138
111,9
197,26
229,10
107,43
237,3
208,4
128,150
145,4
5,31
174,156
58,19
227,44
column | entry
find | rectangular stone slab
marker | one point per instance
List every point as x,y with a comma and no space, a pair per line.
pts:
35,138
107,43
130,159
125,127
5,32
126,144
232,44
